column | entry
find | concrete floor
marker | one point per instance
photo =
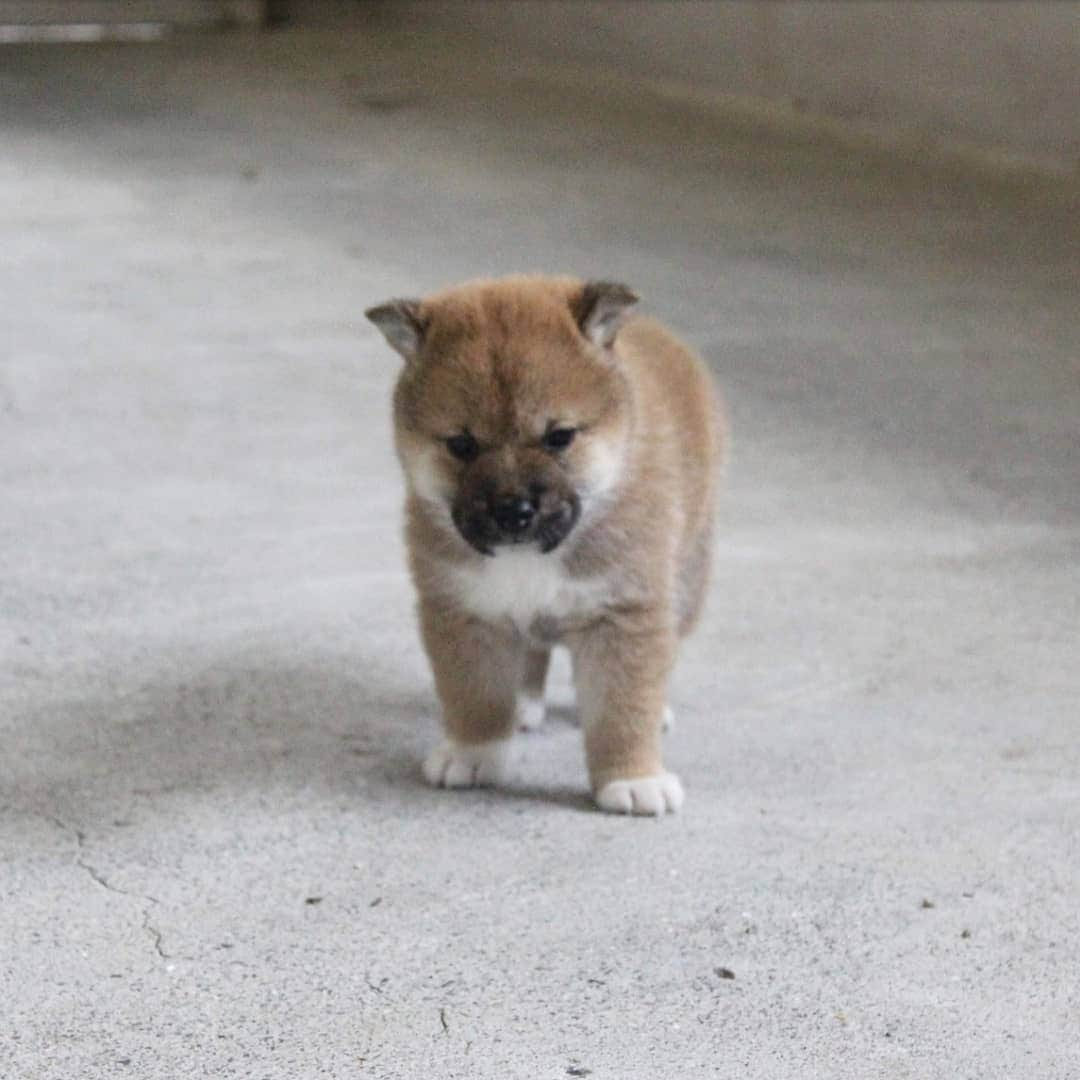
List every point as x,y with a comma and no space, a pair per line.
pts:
218,858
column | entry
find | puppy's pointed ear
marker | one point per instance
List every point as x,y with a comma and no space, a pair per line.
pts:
600,309
401,325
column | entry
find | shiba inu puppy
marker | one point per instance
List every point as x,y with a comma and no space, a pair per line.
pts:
561,459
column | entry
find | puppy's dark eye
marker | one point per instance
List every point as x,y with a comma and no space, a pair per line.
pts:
464,447
559,438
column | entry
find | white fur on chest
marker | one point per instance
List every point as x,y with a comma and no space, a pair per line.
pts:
523,585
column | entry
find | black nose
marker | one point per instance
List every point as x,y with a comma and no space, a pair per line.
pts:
514,514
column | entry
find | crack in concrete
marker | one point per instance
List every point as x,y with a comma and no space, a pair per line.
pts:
99,878
153,931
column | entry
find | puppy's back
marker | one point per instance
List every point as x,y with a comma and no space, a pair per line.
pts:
680,405
683,439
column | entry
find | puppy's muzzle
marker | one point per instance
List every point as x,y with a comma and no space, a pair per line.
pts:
514,514
520,517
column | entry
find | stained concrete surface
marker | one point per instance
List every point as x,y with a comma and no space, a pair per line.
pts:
218,858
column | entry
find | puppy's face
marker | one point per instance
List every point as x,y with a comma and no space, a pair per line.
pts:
511,415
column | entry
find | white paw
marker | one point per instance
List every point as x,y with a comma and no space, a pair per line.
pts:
454,765
530,713
653,795
667,720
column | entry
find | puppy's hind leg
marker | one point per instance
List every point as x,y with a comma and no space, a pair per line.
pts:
478,670
530,706
667,720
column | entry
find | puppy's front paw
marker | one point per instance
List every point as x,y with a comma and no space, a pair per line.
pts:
455,765
655,795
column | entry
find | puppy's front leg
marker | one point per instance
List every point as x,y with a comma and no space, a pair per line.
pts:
478,669
621,670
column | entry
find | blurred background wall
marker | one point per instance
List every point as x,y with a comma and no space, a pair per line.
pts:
1002,77
118,12
998,77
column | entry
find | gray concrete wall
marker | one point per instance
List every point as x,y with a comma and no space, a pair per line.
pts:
1003,76
14,13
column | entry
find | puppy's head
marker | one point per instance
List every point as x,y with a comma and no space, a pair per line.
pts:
512,413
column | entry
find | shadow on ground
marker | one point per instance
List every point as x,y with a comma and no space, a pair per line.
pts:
234,726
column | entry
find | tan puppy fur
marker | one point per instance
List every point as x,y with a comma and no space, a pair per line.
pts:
561,458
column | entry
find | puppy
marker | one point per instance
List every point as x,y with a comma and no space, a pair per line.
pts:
561,459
